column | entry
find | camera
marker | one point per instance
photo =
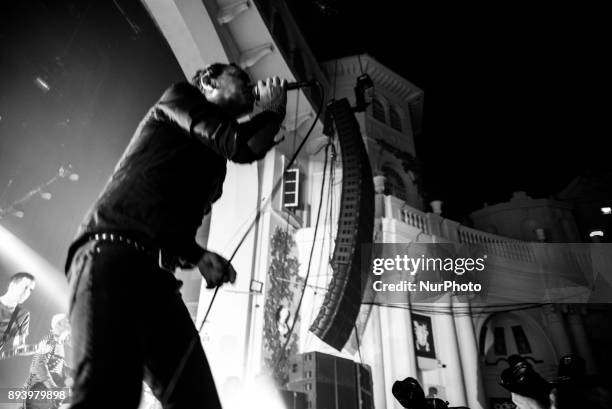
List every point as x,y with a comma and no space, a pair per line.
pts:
410,395
569,386
521,378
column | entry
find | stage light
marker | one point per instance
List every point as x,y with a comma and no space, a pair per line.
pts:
45,195
17,211
258,392
364,92
15,255
606,210
68,172
42,84
596,233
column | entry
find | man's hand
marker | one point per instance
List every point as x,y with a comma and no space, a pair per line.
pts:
272,94
215,269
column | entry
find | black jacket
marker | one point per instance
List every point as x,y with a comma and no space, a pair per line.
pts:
173,170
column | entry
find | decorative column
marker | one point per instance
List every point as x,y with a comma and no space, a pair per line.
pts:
448,347
470,359
556,328
399,360
581,342
373,355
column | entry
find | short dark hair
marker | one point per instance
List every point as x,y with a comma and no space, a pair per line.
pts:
214,70
18,277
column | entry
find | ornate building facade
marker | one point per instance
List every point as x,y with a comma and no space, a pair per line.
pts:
283,262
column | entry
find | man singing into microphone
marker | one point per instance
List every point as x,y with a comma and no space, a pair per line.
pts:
128,319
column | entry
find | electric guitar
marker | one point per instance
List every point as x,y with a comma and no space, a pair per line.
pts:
20,350
44,398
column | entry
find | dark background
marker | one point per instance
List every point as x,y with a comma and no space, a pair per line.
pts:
516,95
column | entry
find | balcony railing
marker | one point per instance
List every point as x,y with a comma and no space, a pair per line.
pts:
415,218
433,224
499,245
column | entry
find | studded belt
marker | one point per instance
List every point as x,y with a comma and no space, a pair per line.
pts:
118,238
165,260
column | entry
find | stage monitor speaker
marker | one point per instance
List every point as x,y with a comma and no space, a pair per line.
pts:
332,382
293,399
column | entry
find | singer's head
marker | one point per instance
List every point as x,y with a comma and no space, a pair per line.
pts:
226,85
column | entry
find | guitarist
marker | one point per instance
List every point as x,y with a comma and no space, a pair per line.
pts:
14,320
49,371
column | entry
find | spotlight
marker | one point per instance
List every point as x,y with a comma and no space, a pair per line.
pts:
596,233
45,195
68,172
42,84
17,211
606,210
364,92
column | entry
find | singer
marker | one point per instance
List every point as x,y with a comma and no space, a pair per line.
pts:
129,322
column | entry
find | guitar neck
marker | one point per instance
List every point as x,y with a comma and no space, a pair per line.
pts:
22,350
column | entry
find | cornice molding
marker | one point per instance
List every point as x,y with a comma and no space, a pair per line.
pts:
381,75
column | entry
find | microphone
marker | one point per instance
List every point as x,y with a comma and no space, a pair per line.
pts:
290,86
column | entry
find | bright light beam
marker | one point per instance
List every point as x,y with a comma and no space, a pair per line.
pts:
257,393
17,256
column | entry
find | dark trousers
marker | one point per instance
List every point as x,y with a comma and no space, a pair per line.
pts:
129,323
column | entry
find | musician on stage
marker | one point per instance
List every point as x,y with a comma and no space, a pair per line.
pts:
48,371
14,320
128,319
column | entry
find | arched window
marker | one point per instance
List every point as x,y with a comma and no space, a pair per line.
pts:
395,120
378,110
394,185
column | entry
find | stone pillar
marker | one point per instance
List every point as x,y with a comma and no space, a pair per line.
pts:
556,329
372,353
581,342
470,359
448,353
399,360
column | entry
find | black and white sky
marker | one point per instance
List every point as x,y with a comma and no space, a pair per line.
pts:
515,97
